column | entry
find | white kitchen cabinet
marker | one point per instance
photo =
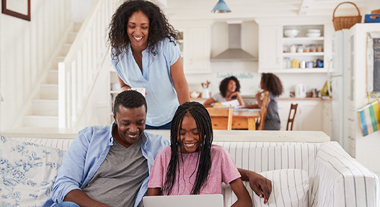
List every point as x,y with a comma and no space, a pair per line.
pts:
308,117
196,49
327,117
270,48
274,48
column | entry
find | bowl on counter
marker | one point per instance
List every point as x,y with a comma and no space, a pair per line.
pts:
195,94
291,32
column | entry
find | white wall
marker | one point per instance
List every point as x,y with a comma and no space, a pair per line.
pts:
372,5
80,9
26,47
246,72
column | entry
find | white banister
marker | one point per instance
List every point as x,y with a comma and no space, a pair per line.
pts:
82,63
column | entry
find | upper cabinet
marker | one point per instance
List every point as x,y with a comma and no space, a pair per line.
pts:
195,47
295,48
270,37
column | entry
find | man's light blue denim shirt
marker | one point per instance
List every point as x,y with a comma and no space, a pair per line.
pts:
88,151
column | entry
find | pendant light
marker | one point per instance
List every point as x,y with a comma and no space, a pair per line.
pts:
221,7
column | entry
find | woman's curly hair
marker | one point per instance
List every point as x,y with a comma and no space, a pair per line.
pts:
223,86
272,83
159,27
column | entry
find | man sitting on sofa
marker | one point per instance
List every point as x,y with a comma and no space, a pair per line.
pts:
110,165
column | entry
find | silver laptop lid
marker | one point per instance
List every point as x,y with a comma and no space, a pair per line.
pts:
209,200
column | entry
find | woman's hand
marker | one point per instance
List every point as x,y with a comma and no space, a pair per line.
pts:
238,96
123,86
229,97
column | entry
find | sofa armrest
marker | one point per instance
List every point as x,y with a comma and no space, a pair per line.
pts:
339,180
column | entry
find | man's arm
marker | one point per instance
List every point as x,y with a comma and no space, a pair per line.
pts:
259,184
82,199
72,172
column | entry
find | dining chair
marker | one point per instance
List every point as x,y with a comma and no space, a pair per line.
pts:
293,107
264,107
221,118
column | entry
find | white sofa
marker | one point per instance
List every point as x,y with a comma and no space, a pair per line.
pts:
308,171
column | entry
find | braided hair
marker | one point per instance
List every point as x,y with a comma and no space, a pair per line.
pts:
203,121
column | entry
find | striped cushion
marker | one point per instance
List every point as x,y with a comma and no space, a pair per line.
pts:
266,156
345,181
289,188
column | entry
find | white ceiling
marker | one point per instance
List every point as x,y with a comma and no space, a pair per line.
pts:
252,9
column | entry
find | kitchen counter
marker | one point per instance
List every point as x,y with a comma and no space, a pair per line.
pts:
306,99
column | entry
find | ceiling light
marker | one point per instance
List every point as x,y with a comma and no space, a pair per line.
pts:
221,7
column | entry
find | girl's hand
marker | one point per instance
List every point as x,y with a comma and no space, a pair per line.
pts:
154,191
258,95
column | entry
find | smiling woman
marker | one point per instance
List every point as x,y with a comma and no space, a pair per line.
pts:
145,55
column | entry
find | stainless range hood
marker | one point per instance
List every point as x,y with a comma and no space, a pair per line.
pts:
234,51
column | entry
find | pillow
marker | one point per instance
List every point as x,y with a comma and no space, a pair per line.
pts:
27,172
289,188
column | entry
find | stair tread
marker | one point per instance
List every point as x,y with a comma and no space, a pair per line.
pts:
49,84
40,116
45,100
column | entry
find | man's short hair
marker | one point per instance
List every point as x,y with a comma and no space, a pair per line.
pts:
129,99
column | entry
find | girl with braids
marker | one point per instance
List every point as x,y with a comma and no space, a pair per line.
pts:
191,164
270,82
145,55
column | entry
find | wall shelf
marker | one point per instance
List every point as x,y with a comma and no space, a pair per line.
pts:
297,70
303,54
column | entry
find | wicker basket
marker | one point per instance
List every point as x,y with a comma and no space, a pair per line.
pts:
375,11
346,22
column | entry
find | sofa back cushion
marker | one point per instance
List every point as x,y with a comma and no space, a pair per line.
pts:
267,156
27,172
62,144
289,188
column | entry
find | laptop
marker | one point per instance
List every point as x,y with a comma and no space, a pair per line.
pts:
208,200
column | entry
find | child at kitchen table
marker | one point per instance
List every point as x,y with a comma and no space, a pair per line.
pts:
271,83
192,165
229,90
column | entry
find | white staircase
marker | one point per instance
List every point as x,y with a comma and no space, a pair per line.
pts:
44,108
